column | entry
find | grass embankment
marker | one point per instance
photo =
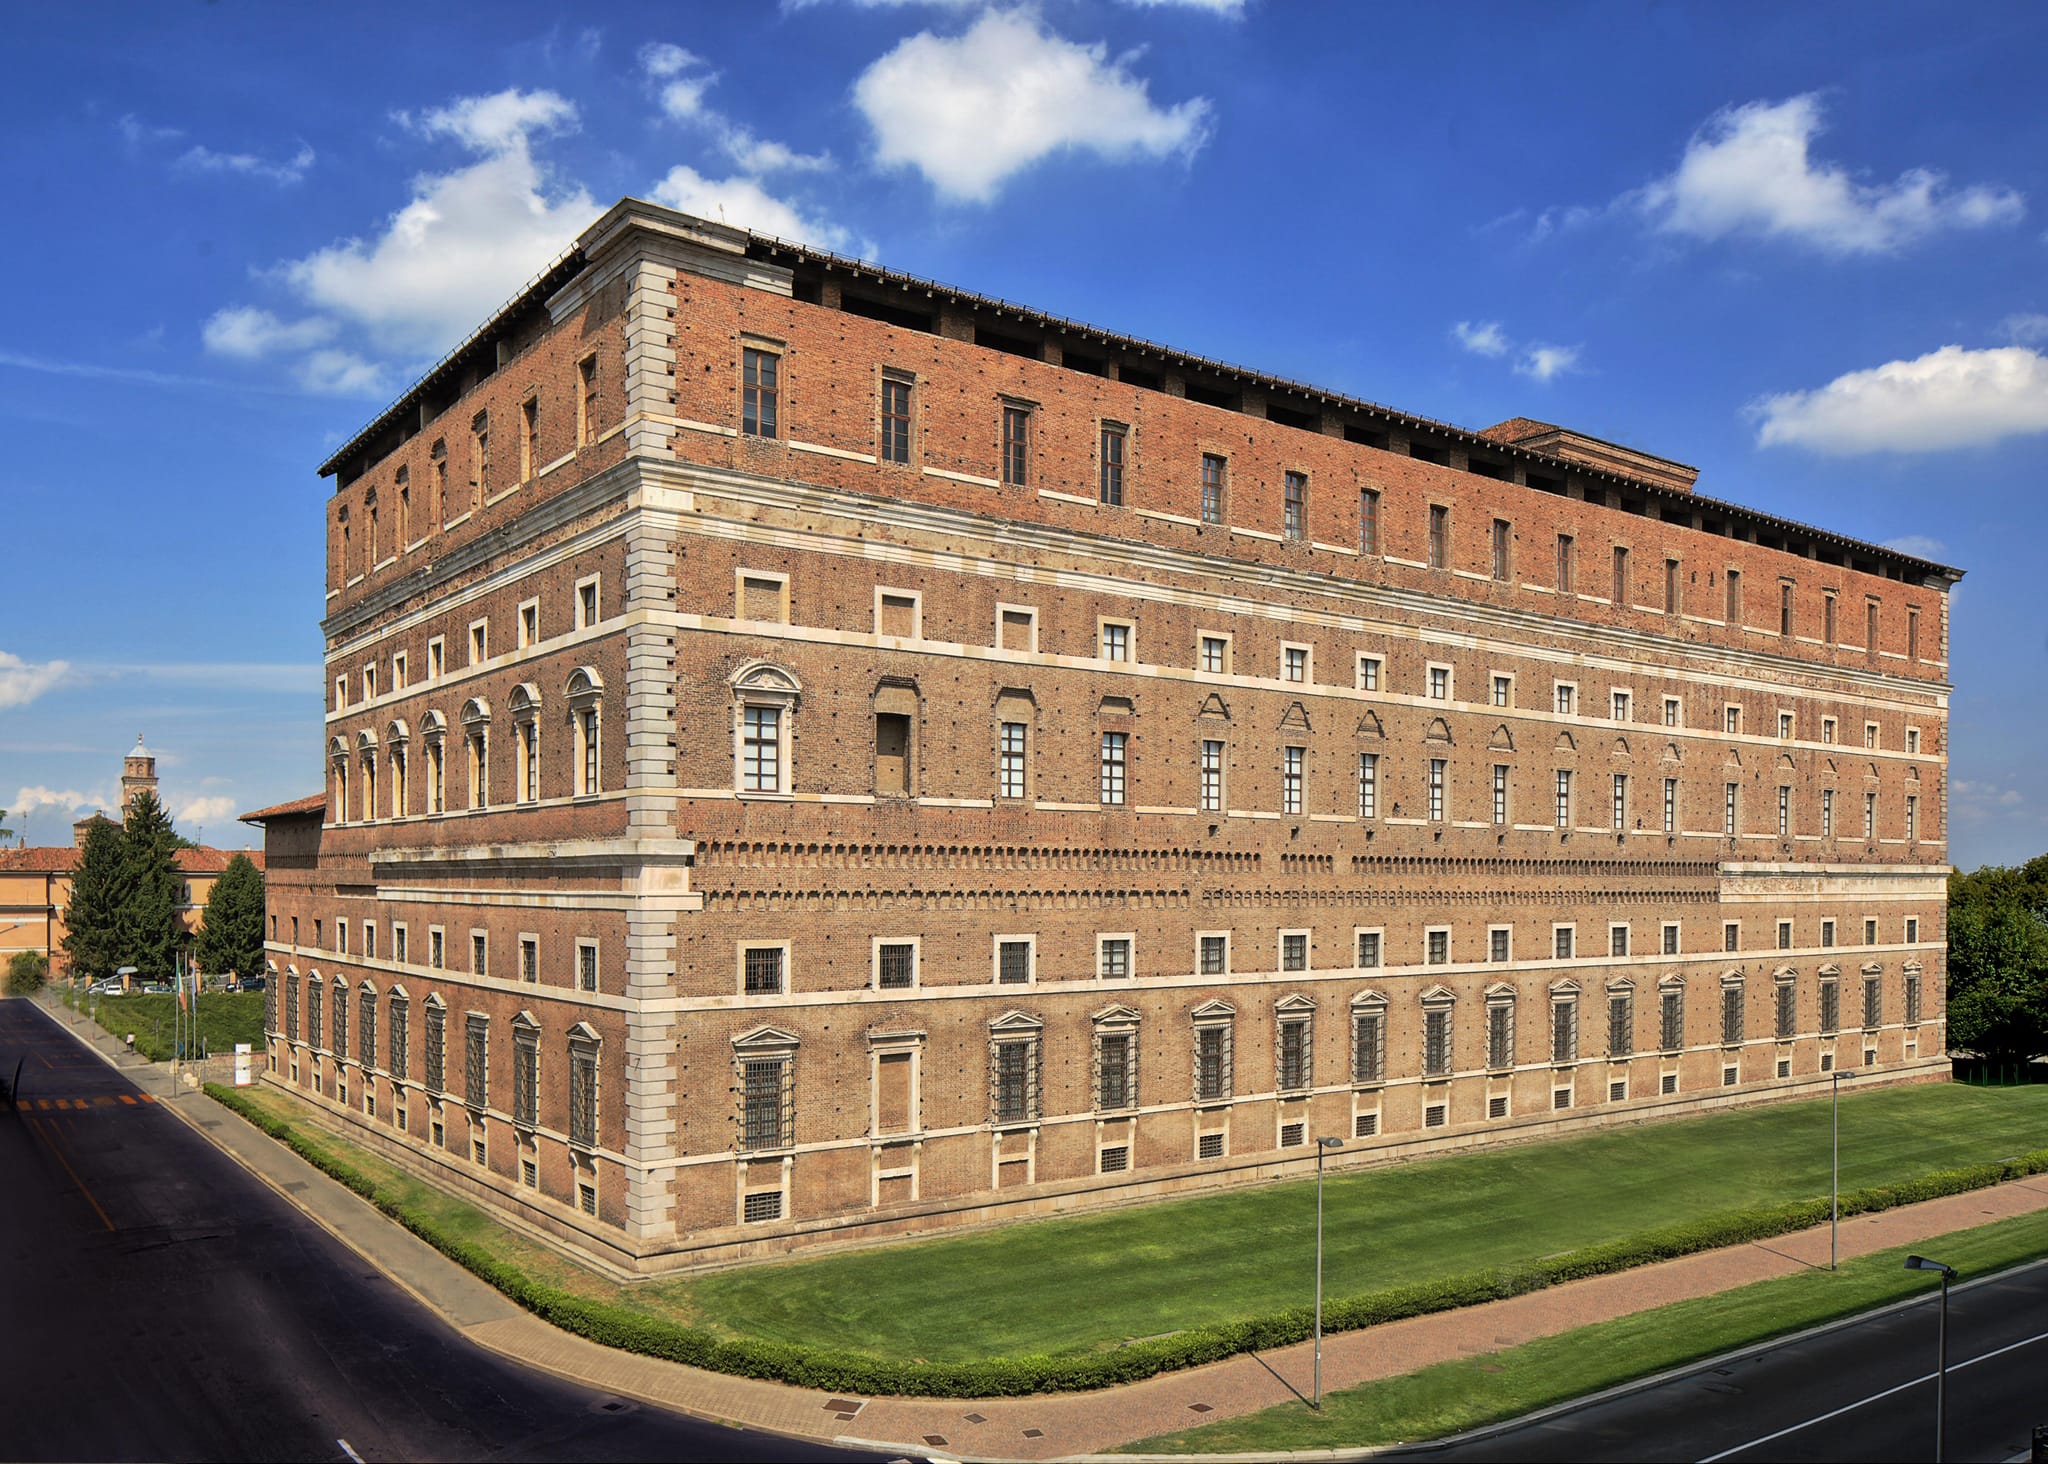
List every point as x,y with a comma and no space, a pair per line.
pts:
1493,1387
225,1018
1057,1304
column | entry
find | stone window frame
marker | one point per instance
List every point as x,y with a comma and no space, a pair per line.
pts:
434,736
875,948
784,982
761,398
1215,1015
397,740
1734,1008
1030,614
584,693
1016,706
526,624
1431,670
1378,933
1103,939
1206,935
765,685
366,1026
479,641
589,601
1785,1003
886,377
1670,937
524,707
1829,1007
1500,689
1014,449
366,754
1368,1063
476,741
589,964
1626,931
1110,1022
526,1073
1508,952
1429,933
398,1035
316,1010
1308,663
1015,1029
1622,1020
1029,940
1281,937
585,1056
899,592
435,1049
339,995
1564,1044
1370,673
908,1043
1439,1002
1216,799
1670,1032
1103,625
476,1075
753,1053
1501,1002
1298,1012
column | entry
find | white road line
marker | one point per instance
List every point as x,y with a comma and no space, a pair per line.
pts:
348,1451
1874,1397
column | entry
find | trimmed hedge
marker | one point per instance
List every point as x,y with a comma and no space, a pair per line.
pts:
845,1372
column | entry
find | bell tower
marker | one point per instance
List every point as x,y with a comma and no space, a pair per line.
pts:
138,774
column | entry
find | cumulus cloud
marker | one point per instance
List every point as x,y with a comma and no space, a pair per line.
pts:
467,239
199,159
1541,362
1918,545
680,79
1947,398
2025,329
204,809
1483,339
21,682
1974,802
744,203
250,334
342,373
969,111
1749,170
71,801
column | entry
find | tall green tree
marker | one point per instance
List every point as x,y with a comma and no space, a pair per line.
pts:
231,940
152,926
100,887
1998,962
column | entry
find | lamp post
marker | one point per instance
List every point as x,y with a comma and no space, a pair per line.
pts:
1923,1263
1323,1146
1835,1183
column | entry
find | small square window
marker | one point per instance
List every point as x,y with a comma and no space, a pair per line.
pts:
1436,946
1214,655
1014,960
1293,950
763,969
1294,663
1115,640
1113,957
479,642
1368,949
586,965
529,623
1369,673
895,964
1503,694
1212,954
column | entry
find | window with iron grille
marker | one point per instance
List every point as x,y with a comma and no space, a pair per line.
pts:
1209,1146
1114,959
1016,446
759,377
525,1076
762,966
1564,1029
270,1001
1213,480
1116,1071
1013,962
291,1007
1671,1026
1500,1032
340,998
1013,1063
1912,998
1294,952
1731,1012
761,1205
476,1058
1621,1023
437,1048
1294,1069
1212,1061
1830,1006
586,965
398,1040
1214,952
767,1108
366,1028
1436,1041
895,420
1112,477
1787,1009
1498,944
1368,948
583,1094
1368,1043
895,966
529,959
1873,1001
1294,506
1212,775
1116,1158
479,954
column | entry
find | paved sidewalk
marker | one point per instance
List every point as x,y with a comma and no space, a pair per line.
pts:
1048,1426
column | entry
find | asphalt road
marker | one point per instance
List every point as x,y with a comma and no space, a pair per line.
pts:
158,1302
1860,1391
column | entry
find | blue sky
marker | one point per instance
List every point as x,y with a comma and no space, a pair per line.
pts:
1800,247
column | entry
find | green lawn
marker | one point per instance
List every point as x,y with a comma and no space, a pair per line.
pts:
1471,1392
225,1018
1078,1284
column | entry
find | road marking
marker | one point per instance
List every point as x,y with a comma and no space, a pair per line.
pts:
348,1451
1874,1397
127,1099
50,1142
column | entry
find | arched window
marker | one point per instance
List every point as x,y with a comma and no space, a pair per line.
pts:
765,699
366,751
434,731
586,695
397,735
476,740
524,705
337,756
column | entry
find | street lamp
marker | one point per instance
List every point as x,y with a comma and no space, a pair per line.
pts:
1923,1263
1835,1184
1323,1146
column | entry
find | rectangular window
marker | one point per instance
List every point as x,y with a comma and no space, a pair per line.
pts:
1436,947
1215,655
1620,802
1670,937
1621,1024
1622,705
1113,958
1016,628
1436,789
1016,446
529,439
1671,1019
1912,930
1010,759
1015,1091
1439,536
1500,794
1503,564
1567,699
1564,1032
1784,935
1671,711
1869,931
1873,1001
586,965
895,420
1734,587
1368,949
1912,818
479,953
1828,628
1731,1014
1212,1063
1785,726
1503,691
398,943
760,373
895,965
1870,627
1294,664
1786,1009
1368,1046
1563,942
1116,640
1830,1005
1731,935
525,1077
1212,775
761,970
1114,748
529,959
437,1048
1564,799
1291,759
476,1059
1294,950
1671,587
583,1094
1784,811
1294,506
765,1109
1670,805
1729,794
1293,1074
1213,954
761,750
1869,815
1499,944
1913,741
1439,683
1784,607
1621,584
1436,1042
1113,1060
1368,521
1912,998
1827,813
436,952
1214,483
1617,940
1112,465
1013,962
1564,564
1369,673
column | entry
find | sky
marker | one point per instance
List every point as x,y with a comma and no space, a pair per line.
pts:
1799,247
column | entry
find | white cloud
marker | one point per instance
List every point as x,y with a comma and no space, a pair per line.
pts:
1973,802
342,373
745,204
136,132
204,809
1918,545
465,242
1748,171
1947,398
1484,339
30,801
1234,9
21,682
2025,329
970,110
1541,362
680,79
199,159
250,334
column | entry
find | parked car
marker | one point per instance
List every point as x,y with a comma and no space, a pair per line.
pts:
107,986
157,988
254,983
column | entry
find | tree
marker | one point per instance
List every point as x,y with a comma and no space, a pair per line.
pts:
26,972
152,926
99,897
1998,962
231,940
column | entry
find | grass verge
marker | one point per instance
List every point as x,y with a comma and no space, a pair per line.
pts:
1493,1387
225,1018
685,1319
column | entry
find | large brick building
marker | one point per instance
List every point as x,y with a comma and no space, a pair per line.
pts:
813,752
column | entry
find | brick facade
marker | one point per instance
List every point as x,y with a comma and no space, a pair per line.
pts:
1017,825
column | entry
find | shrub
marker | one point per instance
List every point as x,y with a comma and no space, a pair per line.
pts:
26,973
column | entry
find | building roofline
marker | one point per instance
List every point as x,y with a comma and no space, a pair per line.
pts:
771,248
297,808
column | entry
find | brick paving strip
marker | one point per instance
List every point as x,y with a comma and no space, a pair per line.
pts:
1057,1425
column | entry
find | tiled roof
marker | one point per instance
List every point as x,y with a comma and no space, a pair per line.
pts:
297,808
63,858
204,860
